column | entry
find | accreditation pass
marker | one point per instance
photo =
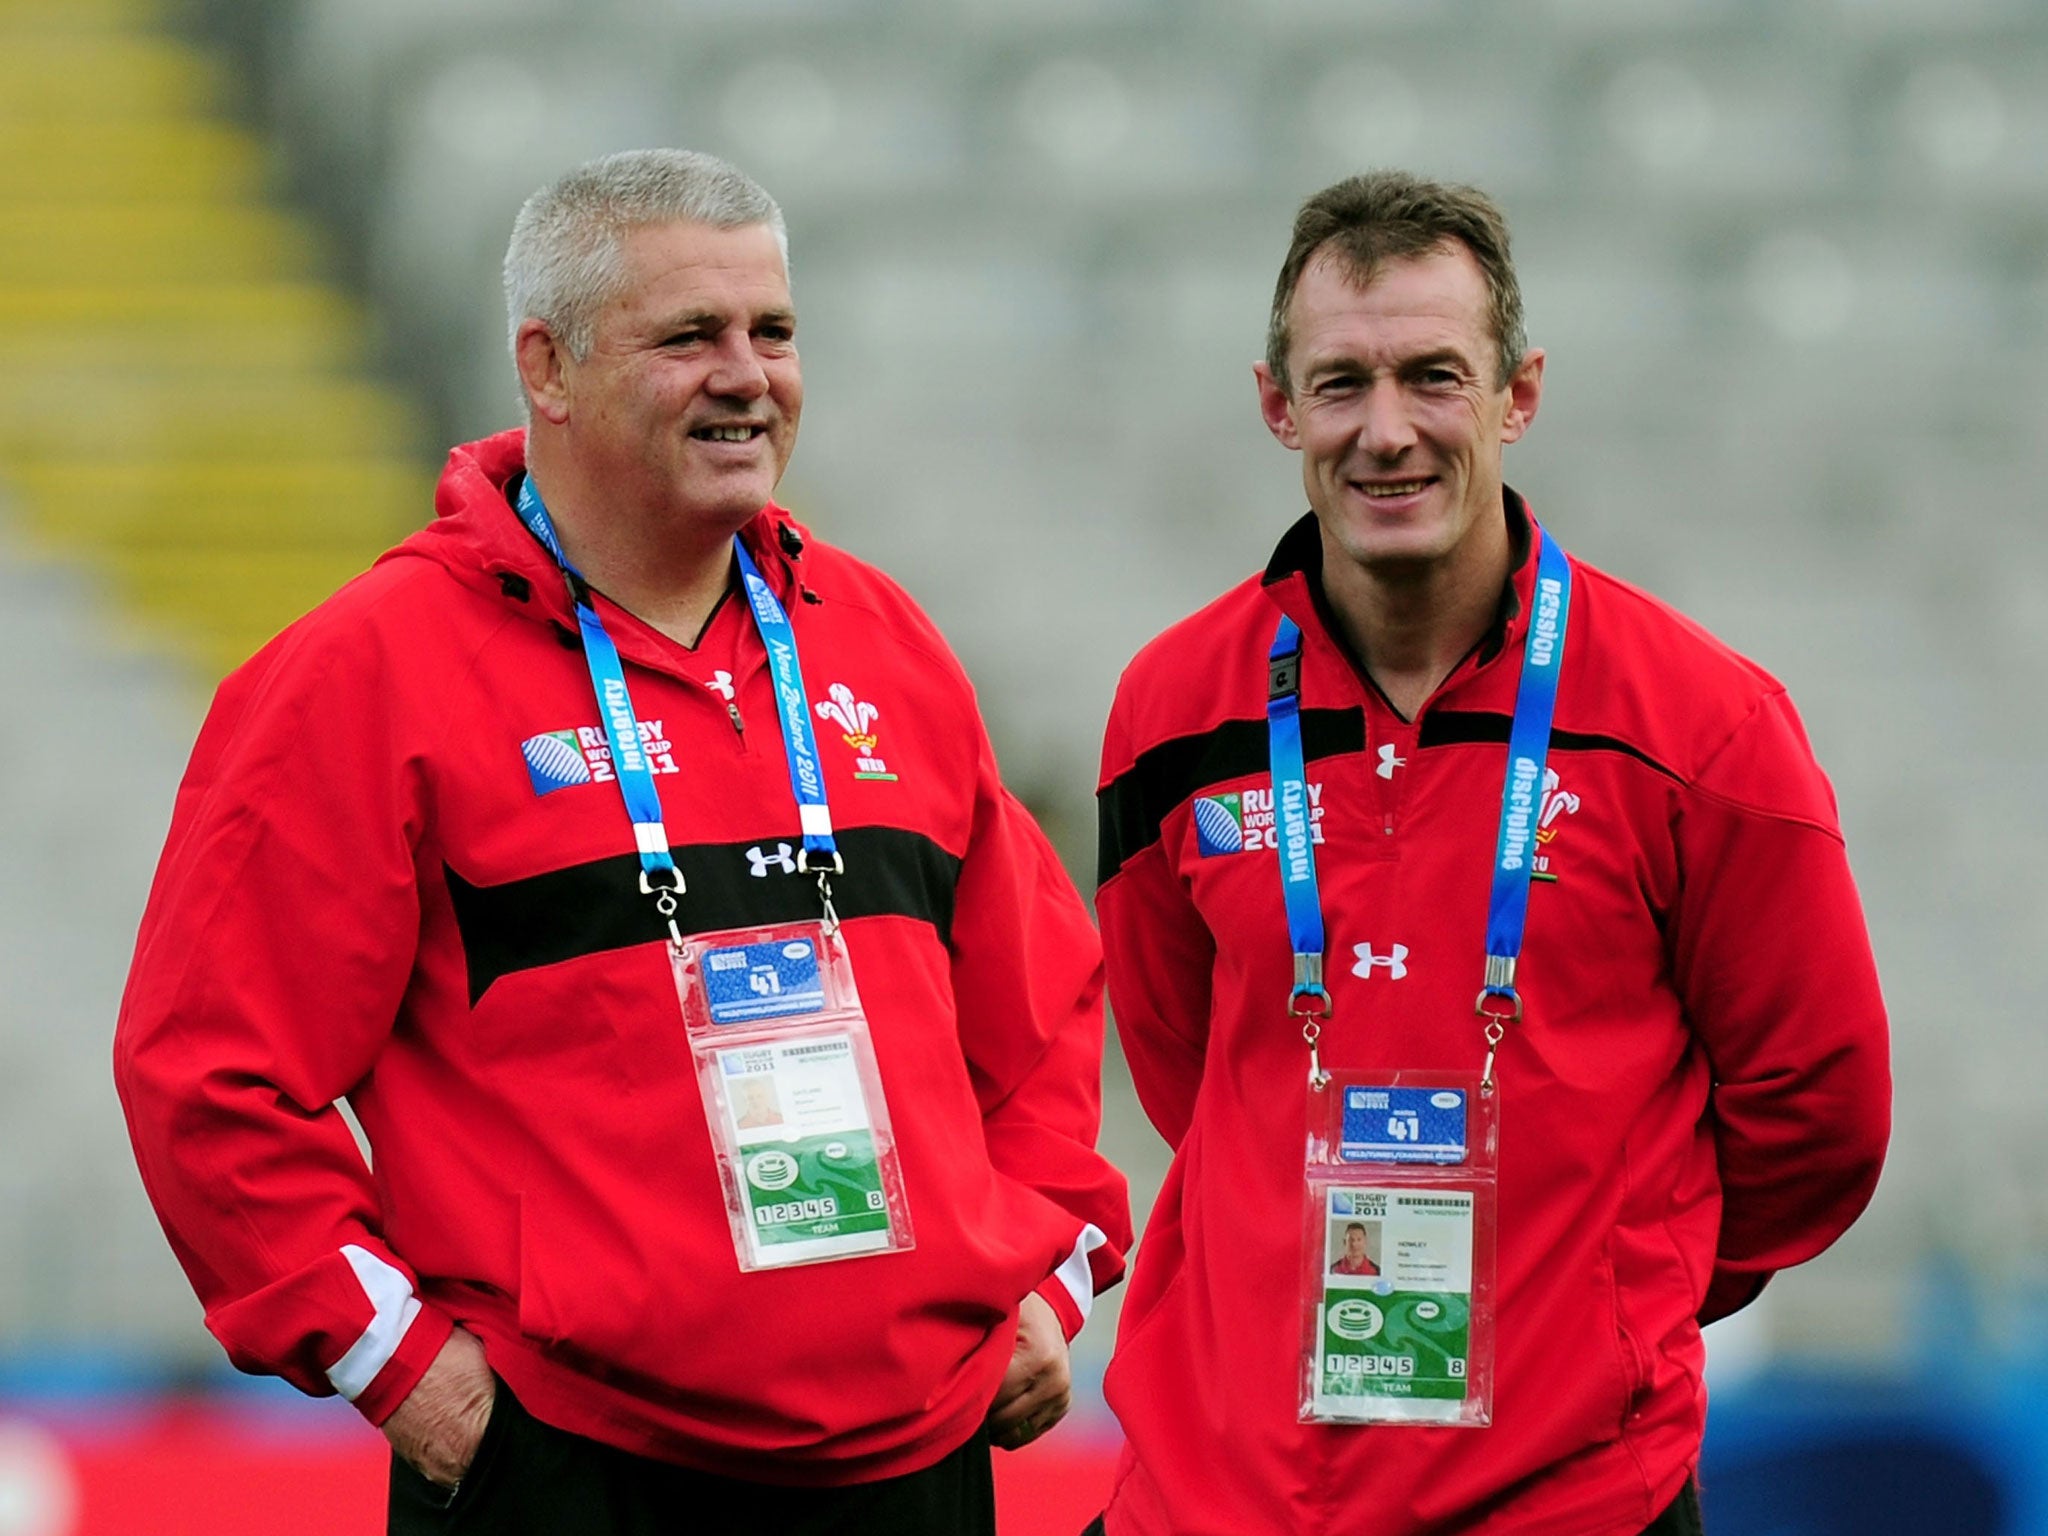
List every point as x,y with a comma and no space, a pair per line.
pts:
803,1144
1393,1325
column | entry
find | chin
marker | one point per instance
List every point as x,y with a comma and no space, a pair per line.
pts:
731,507
1394,549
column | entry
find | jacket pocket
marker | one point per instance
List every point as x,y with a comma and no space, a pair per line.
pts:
1632,1364
419,1503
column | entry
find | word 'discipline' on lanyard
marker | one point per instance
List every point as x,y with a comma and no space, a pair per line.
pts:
659,876
1521,796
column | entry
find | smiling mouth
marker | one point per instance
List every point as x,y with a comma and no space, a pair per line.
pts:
742,432
1388,490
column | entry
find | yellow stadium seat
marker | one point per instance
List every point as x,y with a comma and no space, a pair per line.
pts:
182,398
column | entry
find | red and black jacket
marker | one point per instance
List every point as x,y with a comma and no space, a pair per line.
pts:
1697,1096
398,873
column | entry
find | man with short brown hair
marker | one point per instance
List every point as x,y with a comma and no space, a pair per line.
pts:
1425,757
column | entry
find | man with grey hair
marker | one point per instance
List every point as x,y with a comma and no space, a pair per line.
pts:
725,1037
1334,805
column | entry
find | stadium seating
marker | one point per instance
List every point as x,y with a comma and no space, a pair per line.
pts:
191,454
1786,256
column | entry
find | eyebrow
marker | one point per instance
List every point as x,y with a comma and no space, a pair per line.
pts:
713,319
1440,355
1434,357
694,320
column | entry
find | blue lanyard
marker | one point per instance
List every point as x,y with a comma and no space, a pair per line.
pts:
793,710
1521,798
659,876
1295,834
1522,794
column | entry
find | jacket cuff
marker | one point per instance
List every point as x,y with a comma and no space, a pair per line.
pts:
1070,1289
393,1384
1054,1292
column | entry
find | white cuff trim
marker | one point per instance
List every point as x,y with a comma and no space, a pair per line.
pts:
1074,1272
392,1300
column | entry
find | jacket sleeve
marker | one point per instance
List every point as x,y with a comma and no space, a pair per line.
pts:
273,954
1027,979
1159,950
1773,964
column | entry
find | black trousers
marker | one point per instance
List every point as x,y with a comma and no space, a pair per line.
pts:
530,1479
1681,1519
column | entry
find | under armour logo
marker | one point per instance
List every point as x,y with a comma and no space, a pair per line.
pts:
721,683
783,858
1389,762
1396,962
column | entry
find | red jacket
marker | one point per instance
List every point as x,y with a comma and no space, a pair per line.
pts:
368,891
1698,1095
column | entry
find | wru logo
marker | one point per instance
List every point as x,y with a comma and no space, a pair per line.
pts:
853,716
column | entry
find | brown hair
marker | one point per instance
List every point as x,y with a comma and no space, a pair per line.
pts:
1386,216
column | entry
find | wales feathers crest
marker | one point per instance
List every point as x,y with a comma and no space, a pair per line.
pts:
850,714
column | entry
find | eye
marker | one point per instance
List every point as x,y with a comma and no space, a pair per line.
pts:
1439,376
1336,384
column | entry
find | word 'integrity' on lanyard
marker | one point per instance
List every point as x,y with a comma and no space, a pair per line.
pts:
1514,851
659,876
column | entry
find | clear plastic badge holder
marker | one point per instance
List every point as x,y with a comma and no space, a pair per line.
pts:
1399,1228
792,1094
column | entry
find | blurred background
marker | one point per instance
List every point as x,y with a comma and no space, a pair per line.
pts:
1790,262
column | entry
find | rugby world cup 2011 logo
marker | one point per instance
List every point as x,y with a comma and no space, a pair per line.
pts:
1244,819
1219,824
554,760
561,759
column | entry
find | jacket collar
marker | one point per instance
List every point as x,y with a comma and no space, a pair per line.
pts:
1300,553
478,536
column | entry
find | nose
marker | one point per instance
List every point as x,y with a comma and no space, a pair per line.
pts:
1385,429
737,373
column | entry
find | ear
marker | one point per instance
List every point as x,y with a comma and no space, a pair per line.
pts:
543,371
1525,393
1277,407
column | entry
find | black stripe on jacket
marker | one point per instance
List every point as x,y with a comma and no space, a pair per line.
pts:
1131,808
588,908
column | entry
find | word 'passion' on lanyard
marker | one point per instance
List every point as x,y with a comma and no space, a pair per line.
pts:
1514,850
659,876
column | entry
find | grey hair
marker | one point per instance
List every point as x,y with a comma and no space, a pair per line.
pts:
563,262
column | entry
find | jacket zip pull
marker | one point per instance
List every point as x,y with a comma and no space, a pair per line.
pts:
739,726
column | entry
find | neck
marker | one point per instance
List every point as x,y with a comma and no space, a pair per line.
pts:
645,563
1411,624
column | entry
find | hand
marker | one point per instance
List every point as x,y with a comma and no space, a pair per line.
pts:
441,1422
1038,1387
